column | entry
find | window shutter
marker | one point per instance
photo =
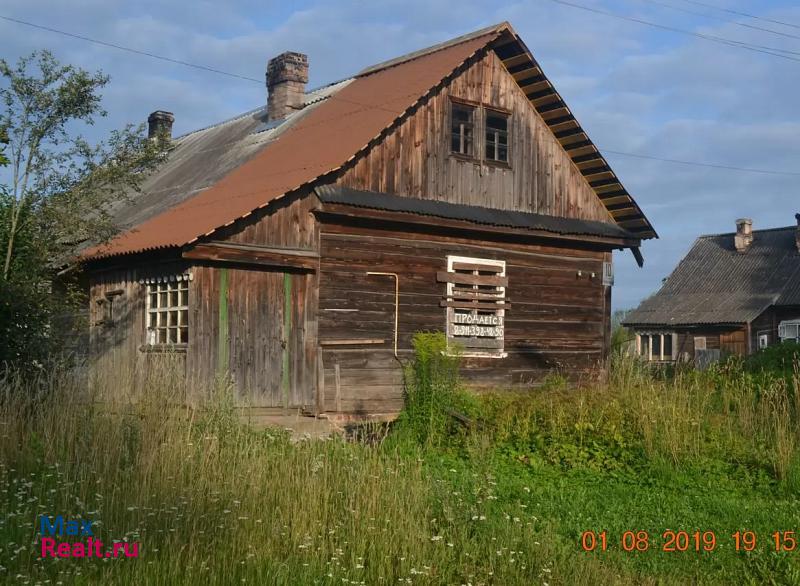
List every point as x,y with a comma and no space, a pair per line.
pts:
476,303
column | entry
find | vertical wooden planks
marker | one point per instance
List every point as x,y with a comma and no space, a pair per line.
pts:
414,159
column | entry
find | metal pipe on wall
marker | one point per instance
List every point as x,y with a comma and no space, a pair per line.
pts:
396,302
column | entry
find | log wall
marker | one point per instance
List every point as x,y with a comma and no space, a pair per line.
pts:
558,321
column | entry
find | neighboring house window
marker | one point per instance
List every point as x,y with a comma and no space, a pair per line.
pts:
789,330
476,302
496,136
462,128
656,347
763,340
168,310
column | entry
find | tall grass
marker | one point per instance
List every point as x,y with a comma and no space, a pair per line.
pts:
213,501
683,417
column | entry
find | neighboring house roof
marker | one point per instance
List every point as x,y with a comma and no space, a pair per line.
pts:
218,175
716,285
469,213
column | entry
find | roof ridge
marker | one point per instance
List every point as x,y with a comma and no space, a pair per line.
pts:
380,66
776,229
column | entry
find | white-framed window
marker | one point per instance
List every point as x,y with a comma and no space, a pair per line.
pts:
699,343
789,330
475,302
657,346
763,340
167,311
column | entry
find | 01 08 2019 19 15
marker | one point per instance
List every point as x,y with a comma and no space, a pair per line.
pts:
680,541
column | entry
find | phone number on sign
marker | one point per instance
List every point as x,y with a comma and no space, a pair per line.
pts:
679,541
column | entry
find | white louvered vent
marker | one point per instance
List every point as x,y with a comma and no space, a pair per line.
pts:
608,274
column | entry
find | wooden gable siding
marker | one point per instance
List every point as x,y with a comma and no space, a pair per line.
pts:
286,222
415,159
558,321
260,336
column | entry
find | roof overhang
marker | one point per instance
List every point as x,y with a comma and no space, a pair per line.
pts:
342,202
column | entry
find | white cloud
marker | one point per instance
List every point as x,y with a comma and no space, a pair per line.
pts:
634,88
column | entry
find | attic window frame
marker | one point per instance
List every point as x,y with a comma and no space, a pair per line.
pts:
473,109
480,143
495,144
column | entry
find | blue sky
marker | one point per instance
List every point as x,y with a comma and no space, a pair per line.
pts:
635,88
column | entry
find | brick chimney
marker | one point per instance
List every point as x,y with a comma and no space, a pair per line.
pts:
159,125
287,75
797,232
744,234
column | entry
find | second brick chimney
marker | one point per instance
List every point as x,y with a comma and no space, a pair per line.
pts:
744,234
797,232
287,75
159,125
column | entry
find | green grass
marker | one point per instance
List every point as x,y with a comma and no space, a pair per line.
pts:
503,500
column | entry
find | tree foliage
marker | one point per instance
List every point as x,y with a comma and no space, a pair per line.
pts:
57,189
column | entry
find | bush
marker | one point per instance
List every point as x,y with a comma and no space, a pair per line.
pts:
436,405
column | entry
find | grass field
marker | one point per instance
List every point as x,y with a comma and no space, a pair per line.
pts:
432,501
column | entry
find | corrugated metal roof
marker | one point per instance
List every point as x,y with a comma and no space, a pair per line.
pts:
220,174
715,284
469,213
321,141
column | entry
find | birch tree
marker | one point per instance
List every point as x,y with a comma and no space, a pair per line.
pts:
56,188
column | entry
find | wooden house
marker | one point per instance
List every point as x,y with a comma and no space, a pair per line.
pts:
298,247
733,293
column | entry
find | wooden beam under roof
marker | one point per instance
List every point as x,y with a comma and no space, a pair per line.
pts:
613,193
618,199
603,183
512,61
535,84
537,96
528,76
593,156
576,138
552,122
570,132
578,145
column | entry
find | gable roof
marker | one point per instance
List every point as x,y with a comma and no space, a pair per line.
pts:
715,285
219,175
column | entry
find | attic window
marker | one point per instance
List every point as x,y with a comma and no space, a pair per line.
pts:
168,310
462,127
476,303
496,136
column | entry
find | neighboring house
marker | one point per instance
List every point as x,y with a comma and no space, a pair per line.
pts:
297,248
732,294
